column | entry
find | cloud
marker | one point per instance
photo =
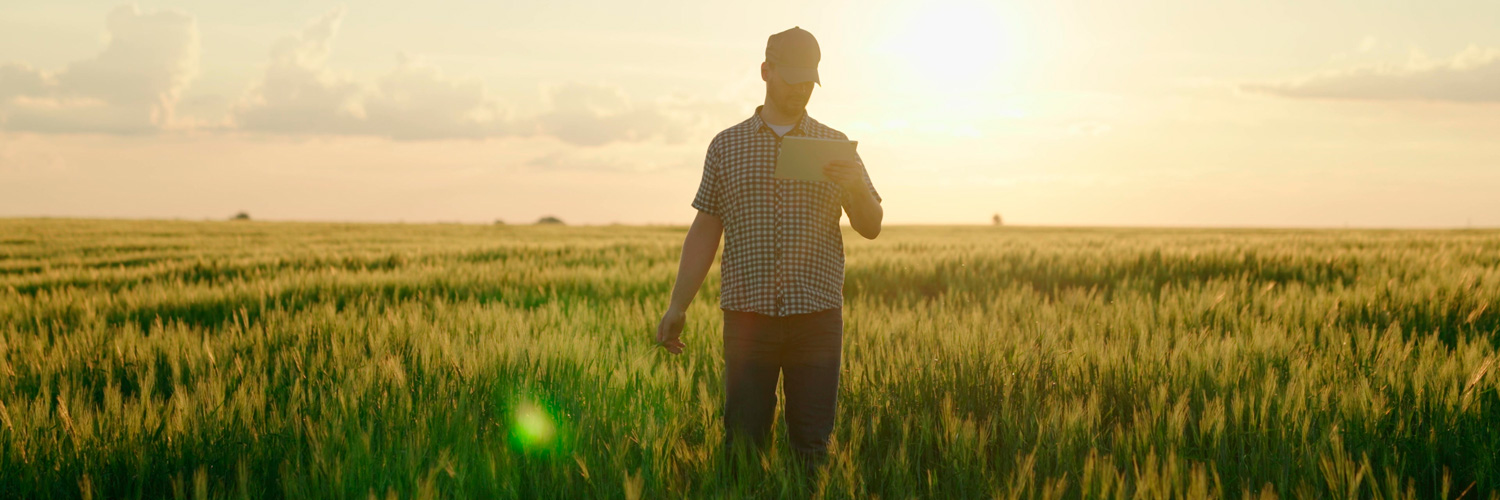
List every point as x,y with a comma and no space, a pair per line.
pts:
416,101
299,95
19,79
620,157
132,86
592,115
1471,76
597,114
135,84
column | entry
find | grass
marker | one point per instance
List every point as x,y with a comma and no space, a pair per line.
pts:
260,360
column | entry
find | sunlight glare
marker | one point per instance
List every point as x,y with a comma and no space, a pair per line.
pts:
954,48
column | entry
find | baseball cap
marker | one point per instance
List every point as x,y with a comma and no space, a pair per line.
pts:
795,54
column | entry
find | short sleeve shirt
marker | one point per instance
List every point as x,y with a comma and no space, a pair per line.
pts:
783,247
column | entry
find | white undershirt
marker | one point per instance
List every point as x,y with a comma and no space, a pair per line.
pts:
781,130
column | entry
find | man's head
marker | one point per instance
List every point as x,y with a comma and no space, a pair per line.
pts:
790,70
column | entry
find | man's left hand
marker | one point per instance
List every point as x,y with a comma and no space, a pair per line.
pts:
849,174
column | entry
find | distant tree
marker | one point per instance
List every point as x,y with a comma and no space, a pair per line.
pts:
499,222
241,216
550,220
997,220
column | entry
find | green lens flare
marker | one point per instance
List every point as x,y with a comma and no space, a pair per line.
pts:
533,427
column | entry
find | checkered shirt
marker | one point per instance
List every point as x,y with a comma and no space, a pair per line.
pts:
783,249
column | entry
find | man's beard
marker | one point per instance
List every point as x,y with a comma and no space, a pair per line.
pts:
792,105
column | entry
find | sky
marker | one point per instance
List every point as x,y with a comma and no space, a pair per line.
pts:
1086,113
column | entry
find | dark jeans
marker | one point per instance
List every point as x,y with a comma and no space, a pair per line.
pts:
759,349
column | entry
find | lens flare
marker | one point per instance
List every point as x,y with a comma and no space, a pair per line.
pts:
533,427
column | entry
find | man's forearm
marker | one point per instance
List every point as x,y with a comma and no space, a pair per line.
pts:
865,213
698,251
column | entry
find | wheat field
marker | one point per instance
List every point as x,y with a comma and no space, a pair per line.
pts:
161,359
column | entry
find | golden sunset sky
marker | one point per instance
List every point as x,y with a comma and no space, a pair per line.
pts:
1145,113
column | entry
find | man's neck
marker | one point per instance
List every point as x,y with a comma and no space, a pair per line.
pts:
769,114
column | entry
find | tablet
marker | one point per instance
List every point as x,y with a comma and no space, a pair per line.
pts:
803,158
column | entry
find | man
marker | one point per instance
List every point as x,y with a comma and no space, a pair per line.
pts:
783,263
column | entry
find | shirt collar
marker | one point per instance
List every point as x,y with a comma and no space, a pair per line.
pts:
762,125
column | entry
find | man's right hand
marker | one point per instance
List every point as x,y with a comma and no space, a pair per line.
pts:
669,332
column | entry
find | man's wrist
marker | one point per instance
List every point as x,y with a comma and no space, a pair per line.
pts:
860,191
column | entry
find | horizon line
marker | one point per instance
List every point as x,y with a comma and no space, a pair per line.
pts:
844,225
